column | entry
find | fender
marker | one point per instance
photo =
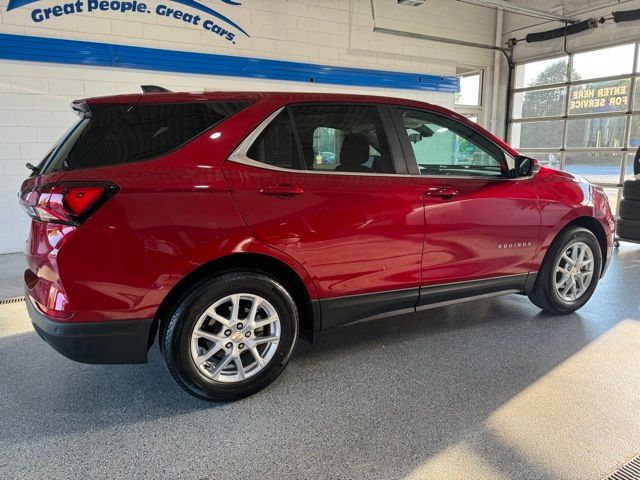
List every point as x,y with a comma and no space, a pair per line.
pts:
556,219
238,245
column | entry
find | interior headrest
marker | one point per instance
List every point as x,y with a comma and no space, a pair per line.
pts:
354,150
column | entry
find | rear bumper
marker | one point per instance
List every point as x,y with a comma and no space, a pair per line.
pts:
123,341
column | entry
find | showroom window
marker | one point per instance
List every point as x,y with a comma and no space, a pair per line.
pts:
581,113
468,100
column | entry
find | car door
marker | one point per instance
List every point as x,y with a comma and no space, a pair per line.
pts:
327,185
482,225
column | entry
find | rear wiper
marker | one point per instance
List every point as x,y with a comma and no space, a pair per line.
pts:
32,167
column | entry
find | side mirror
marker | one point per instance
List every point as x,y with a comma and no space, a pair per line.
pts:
524,166
415,137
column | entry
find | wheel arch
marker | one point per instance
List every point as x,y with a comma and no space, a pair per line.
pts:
308,309
595,227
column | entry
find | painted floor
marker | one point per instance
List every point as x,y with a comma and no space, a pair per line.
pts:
490,389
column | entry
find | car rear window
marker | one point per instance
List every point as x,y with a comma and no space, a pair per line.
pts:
114,134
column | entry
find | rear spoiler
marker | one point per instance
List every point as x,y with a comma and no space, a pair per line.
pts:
81,108
153,89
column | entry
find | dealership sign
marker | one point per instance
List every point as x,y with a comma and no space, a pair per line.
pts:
228,30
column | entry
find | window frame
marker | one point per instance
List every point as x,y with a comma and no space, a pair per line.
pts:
472,110
479,105
239,155
410,157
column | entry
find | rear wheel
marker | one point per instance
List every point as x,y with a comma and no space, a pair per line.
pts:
231,337
569,273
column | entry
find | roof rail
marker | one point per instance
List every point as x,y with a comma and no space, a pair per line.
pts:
153,89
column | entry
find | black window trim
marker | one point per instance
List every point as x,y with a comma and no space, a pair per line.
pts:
410,157
239,155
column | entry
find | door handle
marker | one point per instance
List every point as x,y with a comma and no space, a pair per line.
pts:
442,192
281,190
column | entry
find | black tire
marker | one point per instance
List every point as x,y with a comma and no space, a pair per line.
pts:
176,336
636,163
628,229
631,190
629,209
544,294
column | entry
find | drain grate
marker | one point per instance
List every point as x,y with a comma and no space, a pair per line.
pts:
629,471
11,300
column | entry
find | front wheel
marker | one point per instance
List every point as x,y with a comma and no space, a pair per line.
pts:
569,273
231,337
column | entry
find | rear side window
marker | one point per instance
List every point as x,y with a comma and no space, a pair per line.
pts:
117,134
276,145
343,138
340,138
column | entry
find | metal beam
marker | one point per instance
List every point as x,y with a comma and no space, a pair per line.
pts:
531,12
433,38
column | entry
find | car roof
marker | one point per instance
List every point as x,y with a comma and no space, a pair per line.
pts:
286,98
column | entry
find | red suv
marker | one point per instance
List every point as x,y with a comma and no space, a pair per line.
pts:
230,224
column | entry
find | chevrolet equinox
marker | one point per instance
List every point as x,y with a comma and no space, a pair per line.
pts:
228,225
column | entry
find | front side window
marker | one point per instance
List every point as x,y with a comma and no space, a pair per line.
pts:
445,147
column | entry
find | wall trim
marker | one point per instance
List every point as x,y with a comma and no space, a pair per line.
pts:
75,52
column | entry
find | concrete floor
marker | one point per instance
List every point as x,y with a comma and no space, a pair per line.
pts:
491,389
12,267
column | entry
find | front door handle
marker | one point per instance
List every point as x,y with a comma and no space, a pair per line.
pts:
442,192
281,190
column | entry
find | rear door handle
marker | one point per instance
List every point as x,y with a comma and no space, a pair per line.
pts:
281,190
442,192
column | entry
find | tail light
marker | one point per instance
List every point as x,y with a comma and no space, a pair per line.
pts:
66,203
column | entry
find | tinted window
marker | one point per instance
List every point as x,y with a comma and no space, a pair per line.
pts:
82,136
116,134
342,138
276,145
445,147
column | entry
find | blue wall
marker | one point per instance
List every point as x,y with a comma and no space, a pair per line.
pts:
52,50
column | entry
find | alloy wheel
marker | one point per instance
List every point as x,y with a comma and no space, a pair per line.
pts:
235,338
574,271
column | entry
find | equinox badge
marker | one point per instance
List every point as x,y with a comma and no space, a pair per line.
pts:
515,245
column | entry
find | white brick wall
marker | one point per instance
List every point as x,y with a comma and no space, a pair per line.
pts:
34,98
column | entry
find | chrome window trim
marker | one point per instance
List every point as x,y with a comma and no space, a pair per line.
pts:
239,155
